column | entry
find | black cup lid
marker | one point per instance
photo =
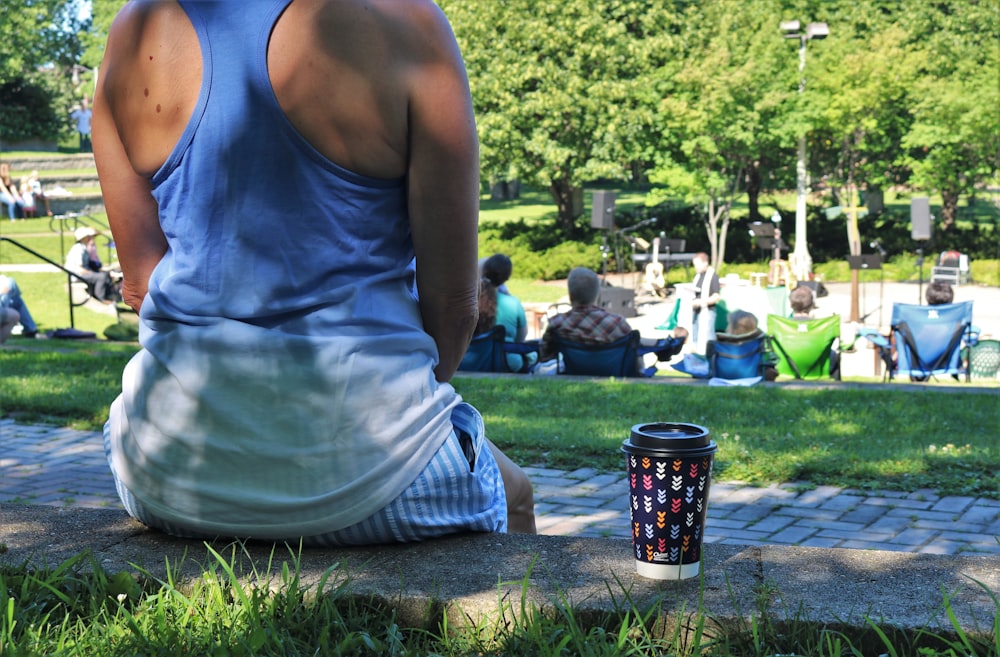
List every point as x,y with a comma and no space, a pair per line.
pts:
669,435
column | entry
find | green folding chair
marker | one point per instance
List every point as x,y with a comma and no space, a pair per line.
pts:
805,348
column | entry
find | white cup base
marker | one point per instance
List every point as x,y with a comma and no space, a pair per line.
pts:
667,572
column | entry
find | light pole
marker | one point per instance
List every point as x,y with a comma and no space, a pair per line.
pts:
801,261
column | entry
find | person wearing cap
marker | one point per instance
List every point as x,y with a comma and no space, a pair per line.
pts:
83,261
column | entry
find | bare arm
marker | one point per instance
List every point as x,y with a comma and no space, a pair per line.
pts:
130,140
443,189
132,212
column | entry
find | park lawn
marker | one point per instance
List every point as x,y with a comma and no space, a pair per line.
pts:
896,437
855,437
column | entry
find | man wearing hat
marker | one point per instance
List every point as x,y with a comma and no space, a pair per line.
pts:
83,261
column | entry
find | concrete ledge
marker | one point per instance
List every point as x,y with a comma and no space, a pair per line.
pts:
78,203
482,576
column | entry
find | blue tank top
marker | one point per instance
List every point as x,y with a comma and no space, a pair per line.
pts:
285,385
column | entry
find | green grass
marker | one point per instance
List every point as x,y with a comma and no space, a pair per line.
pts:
76,608
871,438
856,438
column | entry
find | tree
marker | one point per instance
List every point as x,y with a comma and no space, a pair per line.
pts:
955,140
721,111
953,145
562,90
37,33
102,13
867,72
38,45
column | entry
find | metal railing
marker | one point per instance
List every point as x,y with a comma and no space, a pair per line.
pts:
70,276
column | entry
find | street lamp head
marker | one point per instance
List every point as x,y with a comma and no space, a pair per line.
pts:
790,26
817,31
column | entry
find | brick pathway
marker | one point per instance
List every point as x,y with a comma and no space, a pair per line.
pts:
588,503
64,467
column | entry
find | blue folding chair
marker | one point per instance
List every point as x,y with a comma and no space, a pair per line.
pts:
929,338
488,351
621,358
926,340
485,352
736,357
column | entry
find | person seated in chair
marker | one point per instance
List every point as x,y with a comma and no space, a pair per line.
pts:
803,302
734,355
585,322
508,309
487,307
939,294
83,261
742,323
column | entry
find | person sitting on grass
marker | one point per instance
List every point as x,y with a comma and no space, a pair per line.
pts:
11,299
509,310
8,320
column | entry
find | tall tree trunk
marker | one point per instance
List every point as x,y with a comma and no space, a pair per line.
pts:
562,193
949,209
716,233
753,183
723,232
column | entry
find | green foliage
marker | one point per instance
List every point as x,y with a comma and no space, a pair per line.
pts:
703,98
29,109
561,90
102,12
38,33
39,44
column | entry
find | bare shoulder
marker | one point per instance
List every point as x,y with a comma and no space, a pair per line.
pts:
142,19
150,78
417,29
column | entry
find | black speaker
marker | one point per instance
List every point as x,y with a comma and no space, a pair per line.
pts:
618,300
602,211
920,218
875,201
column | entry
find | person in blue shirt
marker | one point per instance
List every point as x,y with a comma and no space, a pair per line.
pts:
509,313
297,348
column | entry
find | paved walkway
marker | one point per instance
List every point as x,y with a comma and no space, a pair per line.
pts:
65,467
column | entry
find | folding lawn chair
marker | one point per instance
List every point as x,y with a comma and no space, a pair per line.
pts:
925,341
805,348
736,357
621,358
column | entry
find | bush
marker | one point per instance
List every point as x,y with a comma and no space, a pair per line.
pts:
28,109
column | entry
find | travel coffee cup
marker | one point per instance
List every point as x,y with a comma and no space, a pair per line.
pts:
669,469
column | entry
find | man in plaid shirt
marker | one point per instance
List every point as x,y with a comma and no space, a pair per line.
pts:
585,322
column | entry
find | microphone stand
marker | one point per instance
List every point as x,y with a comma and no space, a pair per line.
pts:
604,258
881,281
920,284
